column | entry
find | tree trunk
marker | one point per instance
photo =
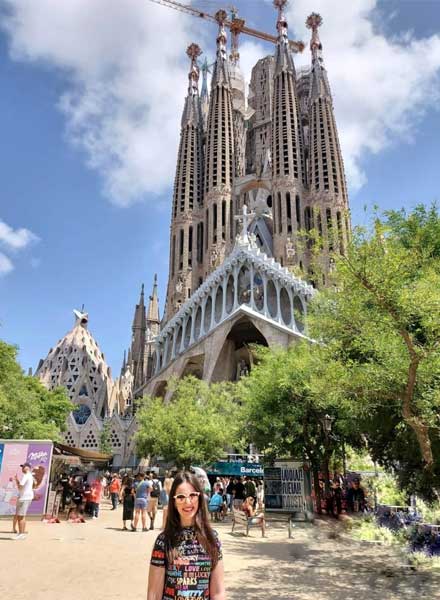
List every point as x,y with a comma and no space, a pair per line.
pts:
417,424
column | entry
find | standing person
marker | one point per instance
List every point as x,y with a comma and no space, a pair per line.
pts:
141,501
165,496
155,490
260,494
250,488
187,558
66,490
229,492
128,496
115,490
238,493
356,497
25,486
96,490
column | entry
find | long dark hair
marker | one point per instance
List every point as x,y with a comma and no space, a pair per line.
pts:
173,527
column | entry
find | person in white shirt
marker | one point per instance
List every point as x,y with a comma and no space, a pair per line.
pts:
25,496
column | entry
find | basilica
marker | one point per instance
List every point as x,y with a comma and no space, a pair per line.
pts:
257,171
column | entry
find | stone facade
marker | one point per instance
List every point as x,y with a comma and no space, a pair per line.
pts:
273,172
77,363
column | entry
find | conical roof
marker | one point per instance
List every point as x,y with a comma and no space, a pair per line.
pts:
78,364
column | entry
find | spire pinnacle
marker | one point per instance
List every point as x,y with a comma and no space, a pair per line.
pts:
314,21
153,306
281,21
220,17
141,301
193,52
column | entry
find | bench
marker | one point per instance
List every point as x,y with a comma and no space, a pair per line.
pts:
240,518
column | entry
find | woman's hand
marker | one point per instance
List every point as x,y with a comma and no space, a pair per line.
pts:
217,583
156,581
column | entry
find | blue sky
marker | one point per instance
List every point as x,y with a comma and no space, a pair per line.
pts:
90,103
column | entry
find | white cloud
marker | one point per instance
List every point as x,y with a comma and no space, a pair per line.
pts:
126,80
125,70
15,239
382,85
6,265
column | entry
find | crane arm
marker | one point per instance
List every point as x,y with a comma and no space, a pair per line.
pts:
242,28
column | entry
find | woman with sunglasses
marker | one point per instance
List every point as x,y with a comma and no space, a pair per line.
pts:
186,561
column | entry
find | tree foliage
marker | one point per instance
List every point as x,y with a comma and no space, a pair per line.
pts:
195,427
27,409
286,399
380,324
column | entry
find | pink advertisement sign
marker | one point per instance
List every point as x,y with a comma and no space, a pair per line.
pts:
12,455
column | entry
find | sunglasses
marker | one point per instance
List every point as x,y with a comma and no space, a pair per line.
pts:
181,498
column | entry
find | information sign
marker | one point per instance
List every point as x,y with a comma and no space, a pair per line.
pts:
287,487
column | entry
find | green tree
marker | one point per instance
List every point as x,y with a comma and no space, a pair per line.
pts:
105,445
380,324
196,427
287,398
27,409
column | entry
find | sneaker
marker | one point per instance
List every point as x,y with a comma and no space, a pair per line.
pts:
20,536
94,517
145,529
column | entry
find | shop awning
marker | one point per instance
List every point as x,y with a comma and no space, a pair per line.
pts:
86,456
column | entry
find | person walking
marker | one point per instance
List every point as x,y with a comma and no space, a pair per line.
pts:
165,496
141,501
186,560
25,485
153,501
96,491
115,490
128,496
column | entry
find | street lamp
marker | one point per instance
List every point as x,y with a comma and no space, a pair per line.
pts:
327,422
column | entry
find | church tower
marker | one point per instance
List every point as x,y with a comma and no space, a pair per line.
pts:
188,192
328,211
136,355
153,327
288,172
219,173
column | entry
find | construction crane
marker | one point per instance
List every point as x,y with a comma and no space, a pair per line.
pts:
236,25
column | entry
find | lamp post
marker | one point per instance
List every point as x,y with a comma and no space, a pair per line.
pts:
326,423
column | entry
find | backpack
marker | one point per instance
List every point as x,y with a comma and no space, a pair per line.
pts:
155,490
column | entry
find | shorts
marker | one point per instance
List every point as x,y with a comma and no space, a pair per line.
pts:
22,507
140,503
164,498
152,504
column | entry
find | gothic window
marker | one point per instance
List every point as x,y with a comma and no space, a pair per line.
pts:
289,213
244,286
181,245
280,219
298,210
90,441
208,312
298,311
190,244
206,228
115,440
272,303
286,309
214,223
258,291
224,220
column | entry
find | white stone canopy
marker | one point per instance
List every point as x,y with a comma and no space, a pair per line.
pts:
248,280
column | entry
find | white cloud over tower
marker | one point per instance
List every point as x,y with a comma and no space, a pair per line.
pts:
125,72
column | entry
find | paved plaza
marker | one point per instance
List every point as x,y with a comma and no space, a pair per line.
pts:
98,560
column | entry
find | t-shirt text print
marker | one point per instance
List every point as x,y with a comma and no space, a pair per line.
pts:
188,576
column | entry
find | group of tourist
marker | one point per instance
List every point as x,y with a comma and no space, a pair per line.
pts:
343,495
238,493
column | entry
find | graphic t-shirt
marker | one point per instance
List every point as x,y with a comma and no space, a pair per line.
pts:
26,484
188,576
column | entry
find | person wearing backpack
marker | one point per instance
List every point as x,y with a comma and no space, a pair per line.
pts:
155,489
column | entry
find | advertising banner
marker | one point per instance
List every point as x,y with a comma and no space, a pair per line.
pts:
14,453
237,468
287,487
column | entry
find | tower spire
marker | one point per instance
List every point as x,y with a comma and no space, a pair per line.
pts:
220,153
288,171
153,306
326,167
188,193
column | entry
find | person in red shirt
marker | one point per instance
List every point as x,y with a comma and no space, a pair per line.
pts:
115,490
96,490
